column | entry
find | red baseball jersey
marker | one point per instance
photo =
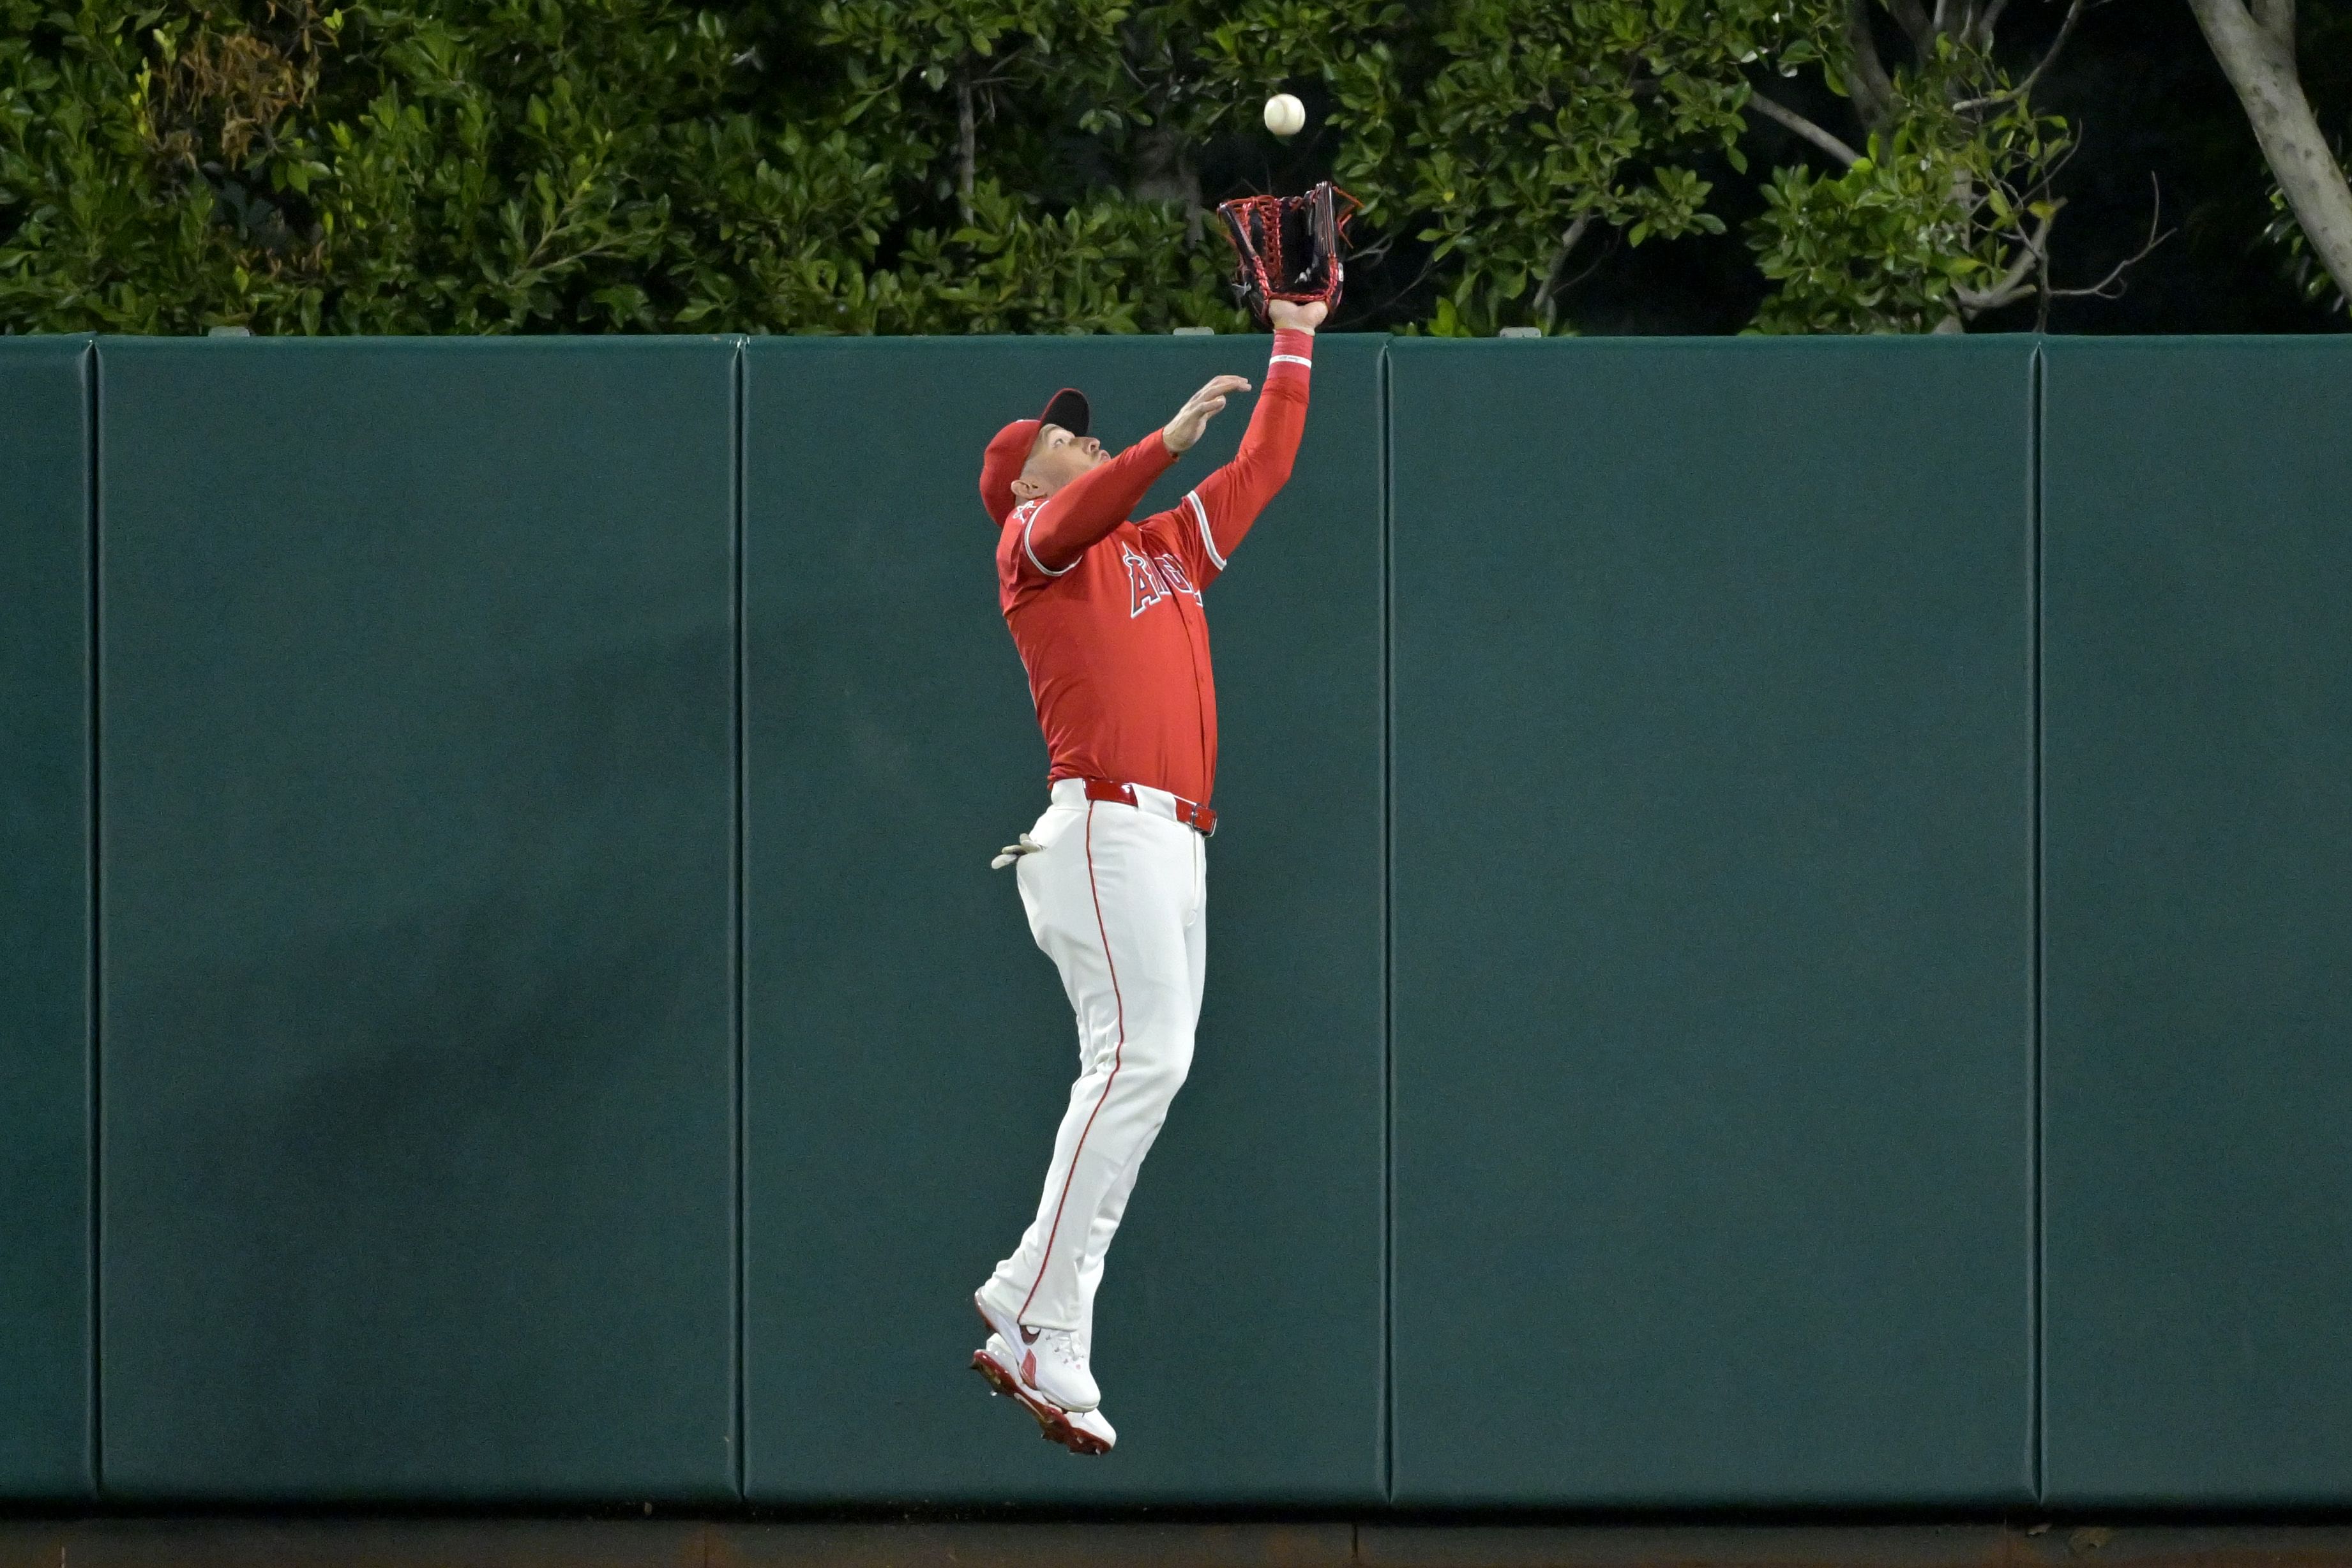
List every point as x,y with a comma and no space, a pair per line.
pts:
1106,612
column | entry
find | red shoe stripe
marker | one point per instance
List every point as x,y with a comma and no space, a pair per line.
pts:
1119,1056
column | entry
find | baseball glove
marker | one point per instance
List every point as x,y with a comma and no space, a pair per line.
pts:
1288,248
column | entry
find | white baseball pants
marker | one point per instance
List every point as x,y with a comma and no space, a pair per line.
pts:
1118,898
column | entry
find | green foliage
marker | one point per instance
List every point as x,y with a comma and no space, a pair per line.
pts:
1939,211
1503,131
948,165
1497,128
498,165
1490,130
1104,266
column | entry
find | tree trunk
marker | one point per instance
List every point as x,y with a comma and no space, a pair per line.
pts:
2258,56
1164,173
1872,93
967,148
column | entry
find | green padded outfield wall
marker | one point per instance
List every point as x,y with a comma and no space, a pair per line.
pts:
416,828
2197,797
46,1439
1712,922
909,1049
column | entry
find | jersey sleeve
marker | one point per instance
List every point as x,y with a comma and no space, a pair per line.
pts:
1209,523
1048,536
1017,566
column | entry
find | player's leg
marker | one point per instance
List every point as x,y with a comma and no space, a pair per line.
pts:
1114,1209
1196,929
1108,898
1098,1237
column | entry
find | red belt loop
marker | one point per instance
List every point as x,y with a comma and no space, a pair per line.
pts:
1190,813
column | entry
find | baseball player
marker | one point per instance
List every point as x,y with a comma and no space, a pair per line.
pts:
1107,617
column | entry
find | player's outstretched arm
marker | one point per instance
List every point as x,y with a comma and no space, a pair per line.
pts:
1183,432
1229,500
1086,508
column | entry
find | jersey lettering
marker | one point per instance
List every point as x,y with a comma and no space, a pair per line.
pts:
1172,570
1145,586
1151,578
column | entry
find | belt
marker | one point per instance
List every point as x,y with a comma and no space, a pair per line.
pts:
1190,813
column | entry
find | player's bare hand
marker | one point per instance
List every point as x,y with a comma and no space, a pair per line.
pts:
1199,409
1288,315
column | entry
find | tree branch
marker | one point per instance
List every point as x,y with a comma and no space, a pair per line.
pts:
967,147
2066,30
2041,294
1414,282
1975,302
1805,128
1568,242
1873,94
1915,24
2048,183
2154,239
1594,266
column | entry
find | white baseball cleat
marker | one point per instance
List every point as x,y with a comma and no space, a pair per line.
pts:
1046,1360
1091,1425
1079,1431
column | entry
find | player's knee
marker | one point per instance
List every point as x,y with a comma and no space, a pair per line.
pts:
1157,1069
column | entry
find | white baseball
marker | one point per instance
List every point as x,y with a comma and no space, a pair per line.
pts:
1285,115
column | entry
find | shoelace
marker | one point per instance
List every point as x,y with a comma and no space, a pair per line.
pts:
1024,844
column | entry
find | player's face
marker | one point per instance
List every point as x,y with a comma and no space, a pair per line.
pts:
1058,457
